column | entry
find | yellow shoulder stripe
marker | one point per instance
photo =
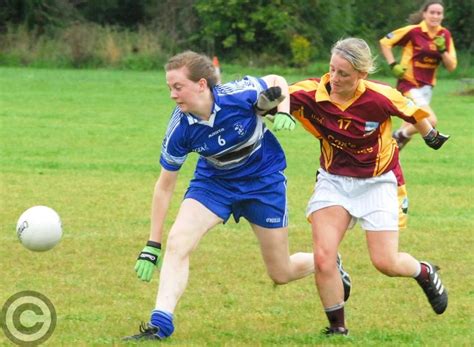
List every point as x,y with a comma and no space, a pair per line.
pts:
306,85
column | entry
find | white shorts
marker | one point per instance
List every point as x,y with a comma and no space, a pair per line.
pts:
373,201
421,96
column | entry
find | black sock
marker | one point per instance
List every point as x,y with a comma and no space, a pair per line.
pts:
336,317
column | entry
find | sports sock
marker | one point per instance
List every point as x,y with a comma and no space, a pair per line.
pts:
403,131
423,275
418,270
335,316
164,321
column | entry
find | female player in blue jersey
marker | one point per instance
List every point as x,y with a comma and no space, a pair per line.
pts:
239,173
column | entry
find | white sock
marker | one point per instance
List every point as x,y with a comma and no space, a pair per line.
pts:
418,271
403,131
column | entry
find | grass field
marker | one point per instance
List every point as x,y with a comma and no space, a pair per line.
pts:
86,143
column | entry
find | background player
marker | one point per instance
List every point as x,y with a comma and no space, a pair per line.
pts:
425,45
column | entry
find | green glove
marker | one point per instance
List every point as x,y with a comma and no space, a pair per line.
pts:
397,69
440,42
283,121
147,260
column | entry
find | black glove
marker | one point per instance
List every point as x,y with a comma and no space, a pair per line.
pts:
435,139
268,100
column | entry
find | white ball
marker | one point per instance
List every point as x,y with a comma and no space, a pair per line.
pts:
39,228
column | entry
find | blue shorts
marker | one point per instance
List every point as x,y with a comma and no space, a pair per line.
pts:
262,201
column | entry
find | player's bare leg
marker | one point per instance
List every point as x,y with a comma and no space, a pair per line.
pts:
384,254
329,226
383,249
404,134
281,267
194,220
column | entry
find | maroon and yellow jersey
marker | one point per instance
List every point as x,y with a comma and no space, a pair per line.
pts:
420,56
356,137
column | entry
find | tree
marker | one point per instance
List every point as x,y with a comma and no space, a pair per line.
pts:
38,15
460,21
234,27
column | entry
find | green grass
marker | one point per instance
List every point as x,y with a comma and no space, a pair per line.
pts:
87,144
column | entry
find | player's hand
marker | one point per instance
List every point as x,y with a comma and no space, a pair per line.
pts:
397,70
268,99
147,260
435,139
440,42
283,121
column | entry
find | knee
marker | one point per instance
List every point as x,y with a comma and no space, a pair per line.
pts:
280,274
324,261
279,279
177,246
384,265
172,243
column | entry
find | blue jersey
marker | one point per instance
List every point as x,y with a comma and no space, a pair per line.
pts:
233,143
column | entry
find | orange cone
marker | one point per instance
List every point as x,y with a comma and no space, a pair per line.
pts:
215,62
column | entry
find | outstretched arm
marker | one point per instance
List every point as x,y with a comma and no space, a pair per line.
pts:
433,138
162,195
149,257
279,81
282,120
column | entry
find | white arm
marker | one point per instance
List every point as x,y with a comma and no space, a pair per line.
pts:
449,61
274,81
388,54
164,189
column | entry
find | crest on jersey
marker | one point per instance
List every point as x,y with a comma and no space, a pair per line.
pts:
410,103
239,128
370,127
389,35
405,205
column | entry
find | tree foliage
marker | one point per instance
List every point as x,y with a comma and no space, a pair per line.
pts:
252,26
38,15
239,28
460,16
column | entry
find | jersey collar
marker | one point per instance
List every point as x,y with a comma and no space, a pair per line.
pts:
424,27
192,119
322,93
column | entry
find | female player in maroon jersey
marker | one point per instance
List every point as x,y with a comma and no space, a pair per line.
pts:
426,44
360,173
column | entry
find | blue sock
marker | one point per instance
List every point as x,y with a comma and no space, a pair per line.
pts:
164,321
